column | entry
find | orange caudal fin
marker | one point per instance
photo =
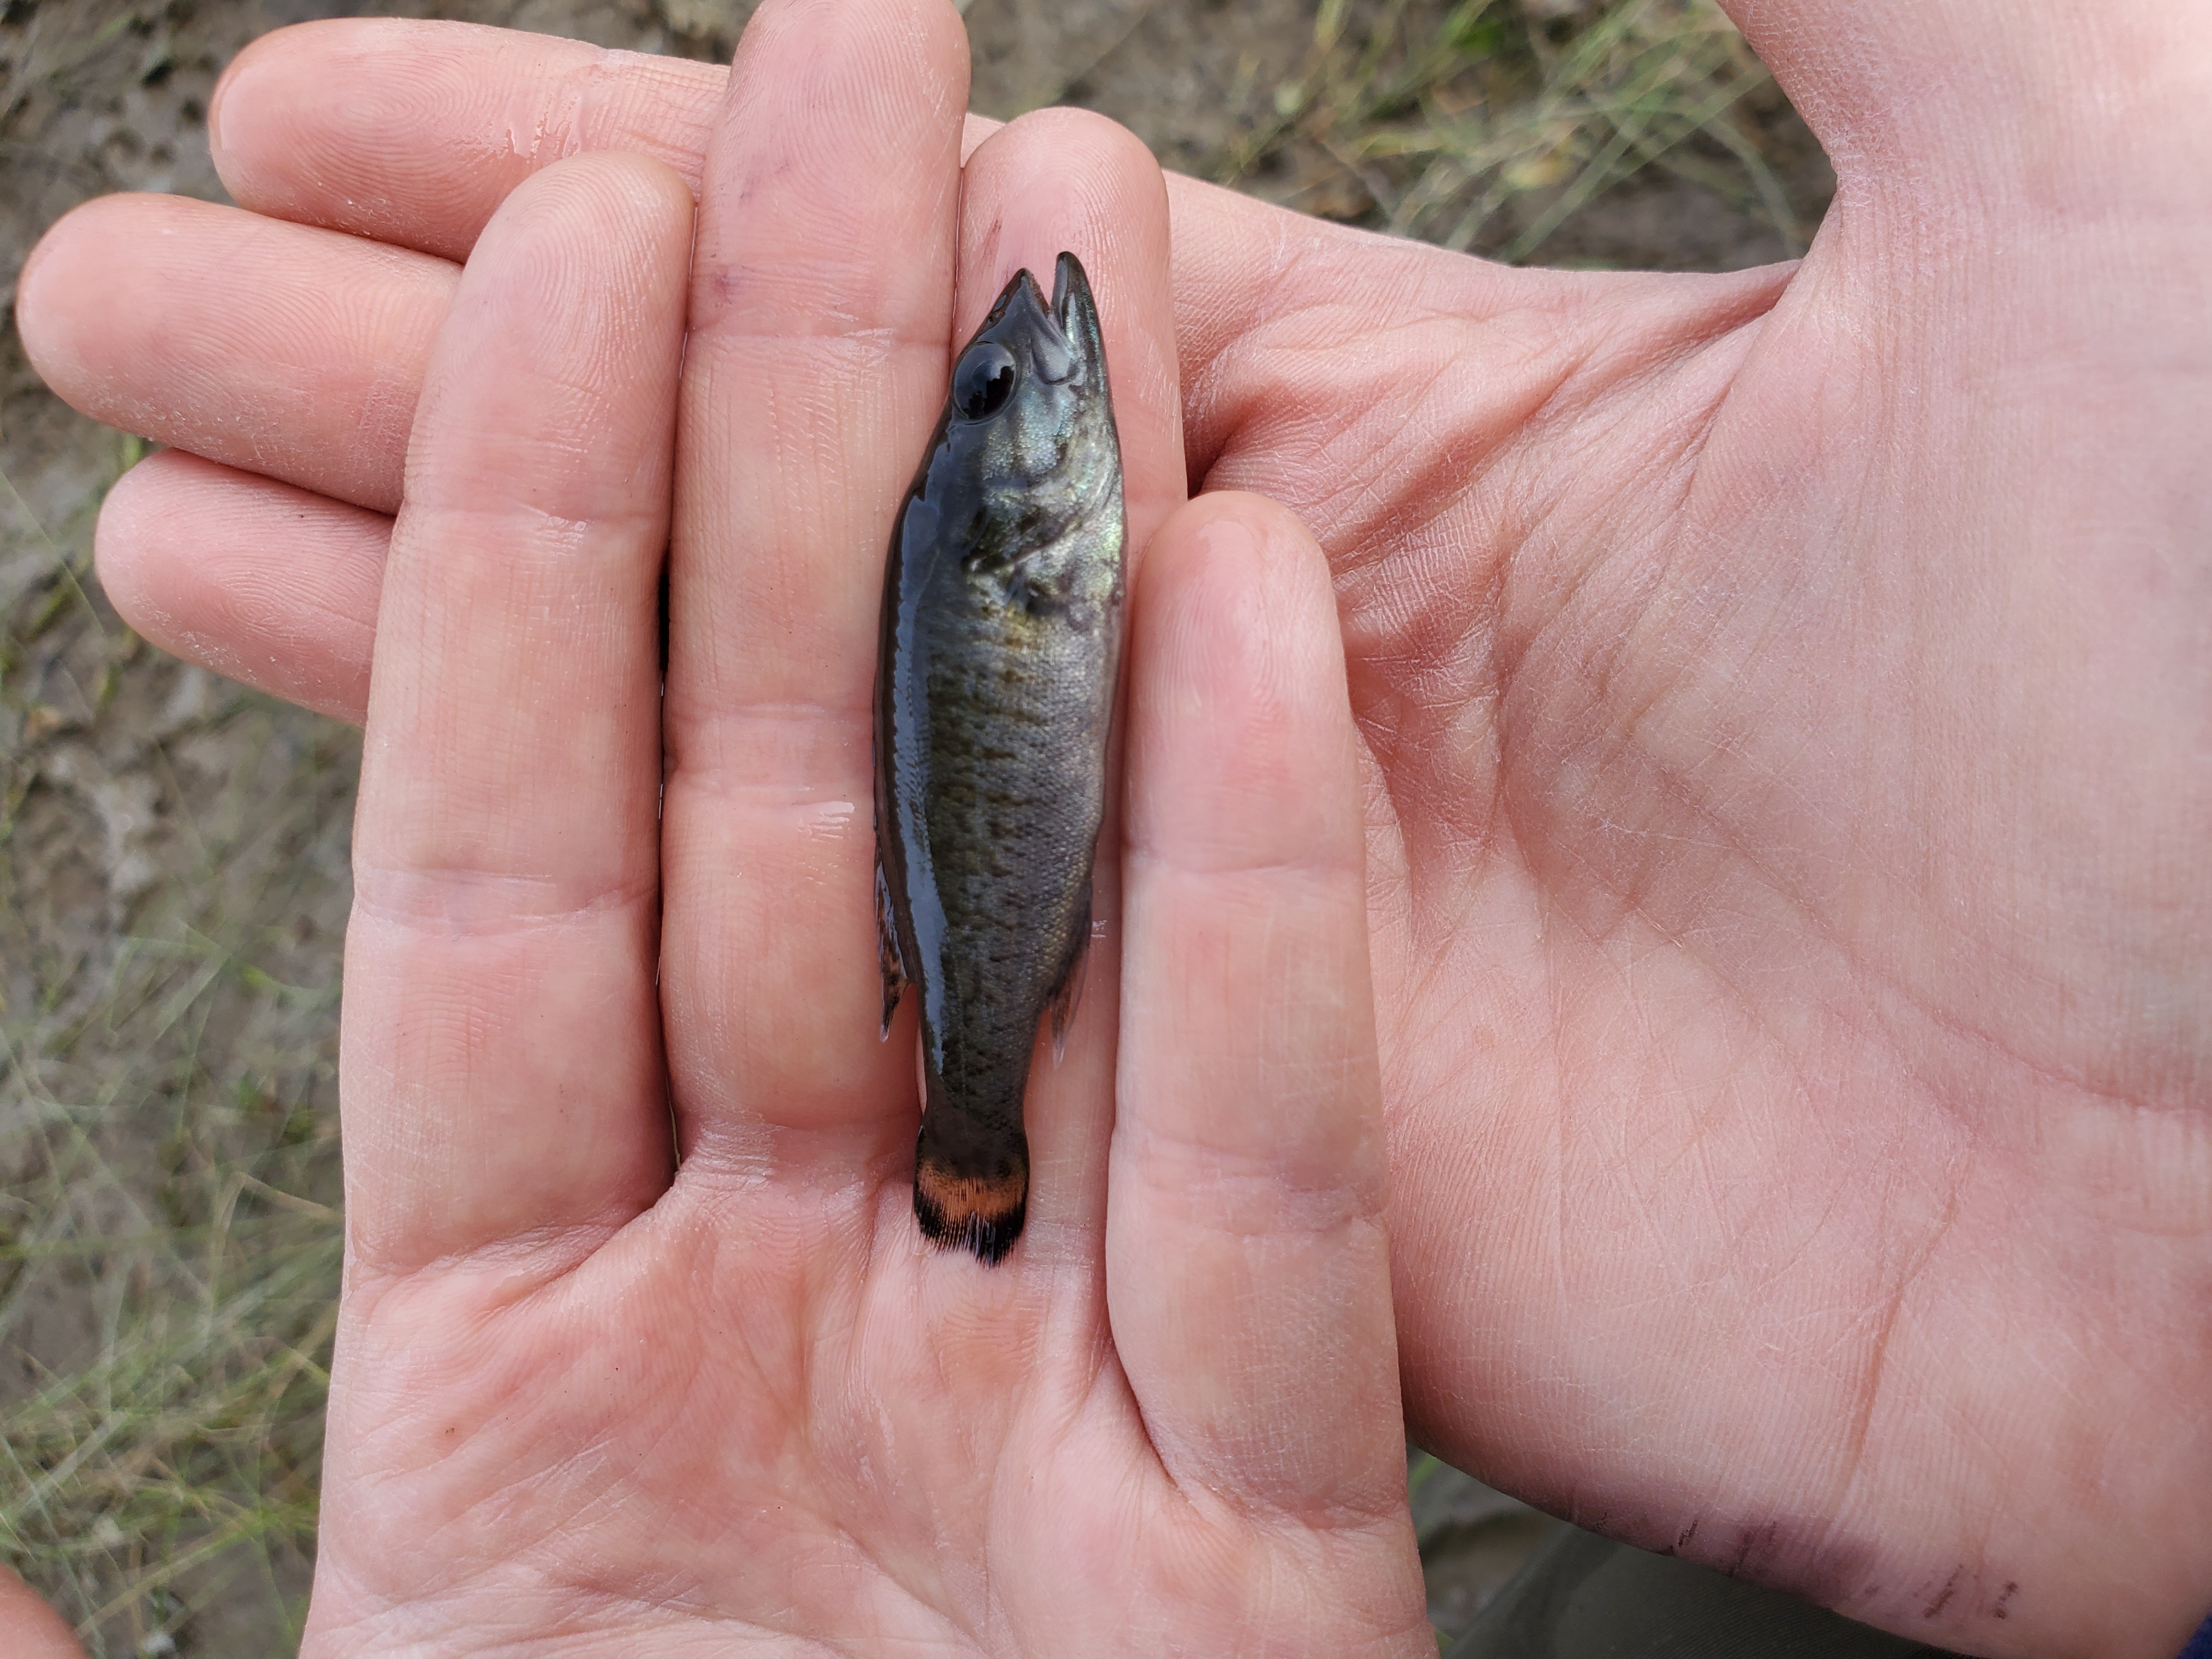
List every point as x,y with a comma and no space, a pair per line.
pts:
970,1204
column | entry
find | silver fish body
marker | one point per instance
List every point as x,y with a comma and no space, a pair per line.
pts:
995,686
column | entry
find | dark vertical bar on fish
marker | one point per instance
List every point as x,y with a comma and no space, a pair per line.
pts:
994,693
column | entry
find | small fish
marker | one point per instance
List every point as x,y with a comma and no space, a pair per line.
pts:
995,692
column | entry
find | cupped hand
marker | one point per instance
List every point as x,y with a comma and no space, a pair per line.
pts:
640,1350
1783,717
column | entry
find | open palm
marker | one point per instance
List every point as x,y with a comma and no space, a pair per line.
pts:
584,1400
1790,733
1782,704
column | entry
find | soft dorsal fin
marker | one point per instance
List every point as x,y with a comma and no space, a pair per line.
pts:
887,951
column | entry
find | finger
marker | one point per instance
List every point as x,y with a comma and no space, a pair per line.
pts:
441,120
501,1069
29,1629
815,369
1065,180
1248,1268
268,584
281,349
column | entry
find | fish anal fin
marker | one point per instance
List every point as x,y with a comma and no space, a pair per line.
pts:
887,951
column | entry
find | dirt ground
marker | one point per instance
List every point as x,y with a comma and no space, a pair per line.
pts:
173,849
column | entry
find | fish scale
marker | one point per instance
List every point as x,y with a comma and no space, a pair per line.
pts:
994,697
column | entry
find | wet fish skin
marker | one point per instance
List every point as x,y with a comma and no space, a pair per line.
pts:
995,686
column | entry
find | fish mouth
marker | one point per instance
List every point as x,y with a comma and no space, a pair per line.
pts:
1066,276
1056,331
1022,303
1074,312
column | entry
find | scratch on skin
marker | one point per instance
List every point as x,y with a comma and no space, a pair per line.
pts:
1943,1599
2002,1609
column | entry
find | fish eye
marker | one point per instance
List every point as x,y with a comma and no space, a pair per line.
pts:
982,380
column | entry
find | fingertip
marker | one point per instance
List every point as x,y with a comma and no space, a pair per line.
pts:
1068,179
1063,179
1242,748
585,263
1233,542
261,582
240,70
431,133
29,1628
62,283
1075,164
618,189
271,99
282,145
122,551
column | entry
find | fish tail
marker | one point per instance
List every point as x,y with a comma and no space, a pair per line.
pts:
971,1184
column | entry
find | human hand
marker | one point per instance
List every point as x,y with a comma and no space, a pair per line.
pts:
587,1401
1785,731
29,1629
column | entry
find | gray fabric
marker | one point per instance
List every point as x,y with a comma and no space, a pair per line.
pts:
1584,1597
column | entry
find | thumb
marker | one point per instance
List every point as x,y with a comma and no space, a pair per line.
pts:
1248,1264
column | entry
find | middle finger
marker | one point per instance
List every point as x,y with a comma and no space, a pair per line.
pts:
821,312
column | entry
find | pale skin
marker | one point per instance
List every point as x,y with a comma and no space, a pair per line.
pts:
1781,717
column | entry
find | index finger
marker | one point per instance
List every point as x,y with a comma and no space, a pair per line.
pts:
500,1065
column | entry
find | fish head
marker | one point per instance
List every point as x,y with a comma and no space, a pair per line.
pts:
1030,391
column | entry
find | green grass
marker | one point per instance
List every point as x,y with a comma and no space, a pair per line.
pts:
173,880
1481,126
171,886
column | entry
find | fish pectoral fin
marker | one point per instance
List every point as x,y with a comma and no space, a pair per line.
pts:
1067,995
887,951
